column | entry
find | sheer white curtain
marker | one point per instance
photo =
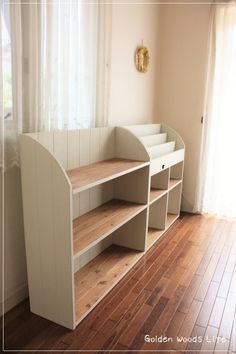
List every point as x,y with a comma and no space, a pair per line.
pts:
70,57
217,188
60,67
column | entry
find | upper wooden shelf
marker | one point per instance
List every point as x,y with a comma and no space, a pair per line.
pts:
97,224
91,175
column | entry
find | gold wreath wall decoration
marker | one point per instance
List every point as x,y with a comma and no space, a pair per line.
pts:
142,59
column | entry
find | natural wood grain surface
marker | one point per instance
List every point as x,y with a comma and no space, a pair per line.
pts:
173,182
100,222
152,299
95,279
156,194
87,176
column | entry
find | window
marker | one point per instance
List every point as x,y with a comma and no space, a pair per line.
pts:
6,62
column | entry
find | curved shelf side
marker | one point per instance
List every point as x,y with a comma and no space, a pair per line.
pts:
47,207
129,146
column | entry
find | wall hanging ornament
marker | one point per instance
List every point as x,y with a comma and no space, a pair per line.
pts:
142,58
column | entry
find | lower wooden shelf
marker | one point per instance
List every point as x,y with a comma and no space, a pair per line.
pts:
174,182
170,219
99,276
92,227
156,194
153,236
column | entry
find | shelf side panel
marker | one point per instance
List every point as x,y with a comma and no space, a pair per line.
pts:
174,200
128,146
133,187
133,233
48,233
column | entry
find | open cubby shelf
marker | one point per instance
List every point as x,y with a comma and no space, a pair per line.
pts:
156,194
100,222
95,200
88,176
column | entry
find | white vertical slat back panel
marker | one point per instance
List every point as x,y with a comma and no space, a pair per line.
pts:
60,147
73,149
95,155
84,151
107,143
46,139
29,194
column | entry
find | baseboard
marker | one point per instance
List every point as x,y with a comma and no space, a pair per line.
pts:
14,298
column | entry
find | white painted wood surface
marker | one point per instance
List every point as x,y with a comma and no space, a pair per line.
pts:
161,149
48,233
133,233
157,213
144,129
161,180
152,140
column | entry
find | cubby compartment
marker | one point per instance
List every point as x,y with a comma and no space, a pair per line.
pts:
97,224
157,220
159,185
99,269
176,174
174,200
101,210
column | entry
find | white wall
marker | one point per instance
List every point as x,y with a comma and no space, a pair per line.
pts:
132,94
181,81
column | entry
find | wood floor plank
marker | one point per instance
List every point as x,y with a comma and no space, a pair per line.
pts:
198,332
228,316
170,291
217,312
225,285
189,322
208,304
208,340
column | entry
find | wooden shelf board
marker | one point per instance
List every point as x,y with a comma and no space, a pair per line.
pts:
97,224
174,182
170,219
91,175
99,276
156,194
153,236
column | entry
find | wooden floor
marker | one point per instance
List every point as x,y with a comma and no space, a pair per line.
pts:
184,286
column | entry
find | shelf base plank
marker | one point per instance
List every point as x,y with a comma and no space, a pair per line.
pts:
98,277
156,194
100,222
100,172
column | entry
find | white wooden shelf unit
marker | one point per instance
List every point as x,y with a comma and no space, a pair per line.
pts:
95,200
